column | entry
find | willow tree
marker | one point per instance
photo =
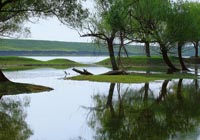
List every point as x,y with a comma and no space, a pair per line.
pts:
160,30
179,28
13,14
183,26
150,18
104,25
142,22
194,10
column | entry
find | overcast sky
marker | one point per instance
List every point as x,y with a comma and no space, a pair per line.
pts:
52,29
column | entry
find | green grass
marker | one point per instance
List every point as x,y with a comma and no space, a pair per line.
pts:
133,78
20,63
12,88
138,63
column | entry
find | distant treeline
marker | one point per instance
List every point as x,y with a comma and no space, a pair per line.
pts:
16,47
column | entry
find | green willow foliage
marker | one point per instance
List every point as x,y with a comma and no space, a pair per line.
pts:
13,13
12,124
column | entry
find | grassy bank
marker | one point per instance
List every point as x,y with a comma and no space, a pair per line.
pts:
12,88
155,63
138,63
14,63
133,78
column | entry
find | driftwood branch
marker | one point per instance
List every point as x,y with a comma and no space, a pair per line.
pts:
84,72
114,72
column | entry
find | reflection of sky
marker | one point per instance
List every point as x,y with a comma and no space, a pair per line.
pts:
58,114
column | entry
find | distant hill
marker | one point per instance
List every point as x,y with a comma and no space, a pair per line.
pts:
17,47
49,47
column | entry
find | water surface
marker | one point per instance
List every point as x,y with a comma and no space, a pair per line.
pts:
75,110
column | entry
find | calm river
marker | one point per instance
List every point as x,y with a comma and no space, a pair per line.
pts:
83,110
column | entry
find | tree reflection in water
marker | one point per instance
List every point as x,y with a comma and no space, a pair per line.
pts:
140,115
12,122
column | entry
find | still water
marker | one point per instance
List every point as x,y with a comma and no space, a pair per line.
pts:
83,110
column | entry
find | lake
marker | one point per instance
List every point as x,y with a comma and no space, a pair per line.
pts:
83,110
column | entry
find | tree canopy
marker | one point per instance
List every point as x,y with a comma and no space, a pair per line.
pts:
13,13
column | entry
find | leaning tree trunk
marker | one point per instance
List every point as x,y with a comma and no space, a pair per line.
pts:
183,66
110,97
167,60
179,90
163,91
120,49
147,49
196,47
3,77
112,54
146,91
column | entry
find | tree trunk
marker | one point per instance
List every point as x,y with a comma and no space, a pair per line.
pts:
112,54
179,90
146,91
183,66
163,92
3,77
196,47
167,60
109,99
120,49
147,49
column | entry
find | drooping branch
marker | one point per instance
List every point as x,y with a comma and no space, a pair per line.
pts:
100,36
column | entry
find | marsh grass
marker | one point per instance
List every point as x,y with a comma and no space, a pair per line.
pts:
138,63
133,78
21,63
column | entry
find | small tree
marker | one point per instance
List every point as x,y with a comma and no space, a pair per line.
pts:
179,28
99,27
150,21
106,25
194,10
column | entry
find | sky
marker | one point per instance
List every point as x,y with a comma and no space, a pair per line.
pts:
52,29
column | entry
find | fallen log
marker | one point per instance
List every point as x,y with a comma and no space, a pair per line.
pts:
113,72
84,72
